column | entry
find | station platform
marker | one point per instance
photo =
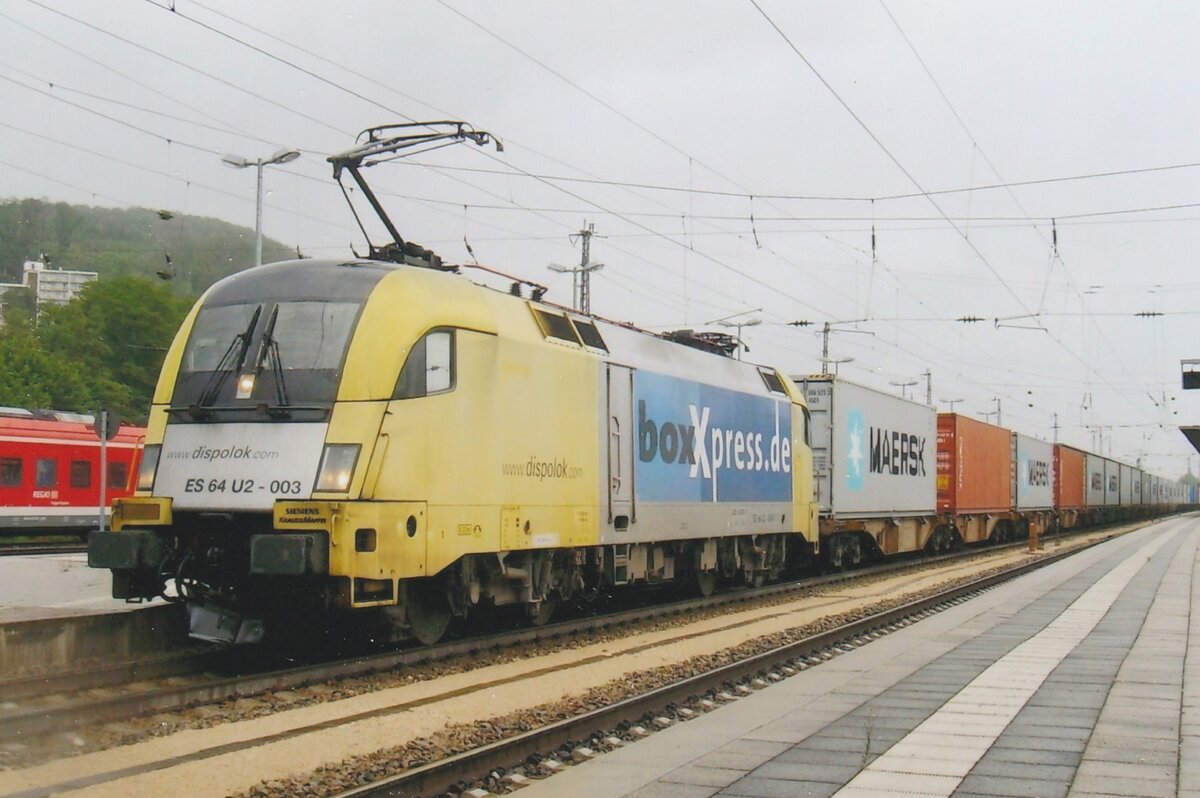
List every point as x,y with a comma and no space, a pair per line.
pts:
1079,679
38,586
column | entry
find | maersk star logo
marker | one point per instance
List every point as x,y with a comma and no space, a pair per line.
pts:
856,432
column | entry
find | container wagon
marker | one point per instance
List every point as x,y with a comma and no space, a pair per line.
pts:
874,464
1033,485
975,478
1070,467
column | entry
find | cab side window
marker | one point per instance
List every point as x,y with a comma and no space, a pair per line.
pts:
430,367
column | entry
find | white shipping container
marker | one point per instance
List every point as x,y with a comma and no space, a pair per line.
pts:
1094,481
1125,489
874,454
1034,477
1112,483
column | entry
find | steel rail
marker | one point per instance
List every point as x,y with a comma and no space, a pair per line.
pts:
21,722
40,547
32,719
443,776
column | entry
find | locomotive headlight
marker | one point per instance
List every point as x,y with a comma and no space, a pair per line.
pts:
245,386
337,466
149,466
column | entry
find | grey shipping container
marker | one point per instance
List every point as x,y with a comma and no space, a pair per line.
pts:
1094,480
1112,483
1125,489
874,454
1033,479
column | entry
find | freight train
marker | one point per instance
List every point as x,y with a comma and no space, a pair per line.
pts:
399,440
49,471
384,437
894,476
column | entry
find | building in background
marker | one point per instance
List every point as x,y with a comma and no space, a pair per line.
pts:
50,286
54,286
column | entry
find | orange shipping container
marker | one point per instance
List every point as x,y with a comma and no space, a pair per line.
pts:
974,466
1069,467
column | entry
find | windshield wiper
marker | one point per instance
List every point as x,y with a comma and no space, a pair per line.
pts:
269,348
227,365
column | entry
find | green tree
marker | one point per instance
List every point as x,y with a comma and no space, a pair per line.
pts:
117,331
31,377
20,299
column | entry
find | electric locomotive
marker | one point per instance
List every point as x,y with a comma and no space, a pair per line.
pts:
364,435
385,436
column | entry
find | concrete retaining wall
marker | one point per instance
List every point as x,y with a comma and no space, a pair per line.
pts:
58,645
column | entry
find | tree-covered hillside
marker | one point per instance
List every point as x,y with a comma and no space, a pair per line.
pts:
105,348
132,242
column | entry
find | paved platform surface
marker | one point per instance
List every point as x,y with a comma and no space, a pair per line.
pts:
1080,679
34,586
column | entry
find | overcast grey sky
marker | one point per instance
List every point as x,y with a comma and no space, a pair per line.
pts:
734,156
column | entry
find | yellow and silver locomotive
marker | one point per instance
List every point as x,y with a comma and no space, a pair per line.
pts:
361,434
366,435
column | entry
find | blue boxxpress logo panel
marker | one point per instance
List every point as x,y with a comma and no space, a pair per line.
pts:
701,443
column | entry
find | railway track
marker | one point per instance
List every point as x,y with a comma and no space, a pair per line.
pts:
42,704
29,721
546,749
54,704
28,547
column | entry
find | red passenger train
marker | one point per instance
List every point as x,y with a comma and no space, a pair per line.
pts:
49,462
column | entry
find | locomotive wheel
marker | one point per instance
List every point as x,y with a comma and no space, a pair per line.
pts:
706,583
429,613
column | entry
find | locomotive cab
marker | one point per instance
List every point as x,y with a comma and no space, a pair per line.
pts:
240,420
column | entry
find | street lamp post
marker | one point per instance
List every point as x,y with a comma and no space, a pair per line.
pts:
739,325
904,386
238,162
726,321
826,330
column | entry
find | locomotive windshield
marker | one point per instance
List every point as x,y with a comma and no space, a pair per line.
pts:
293,350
